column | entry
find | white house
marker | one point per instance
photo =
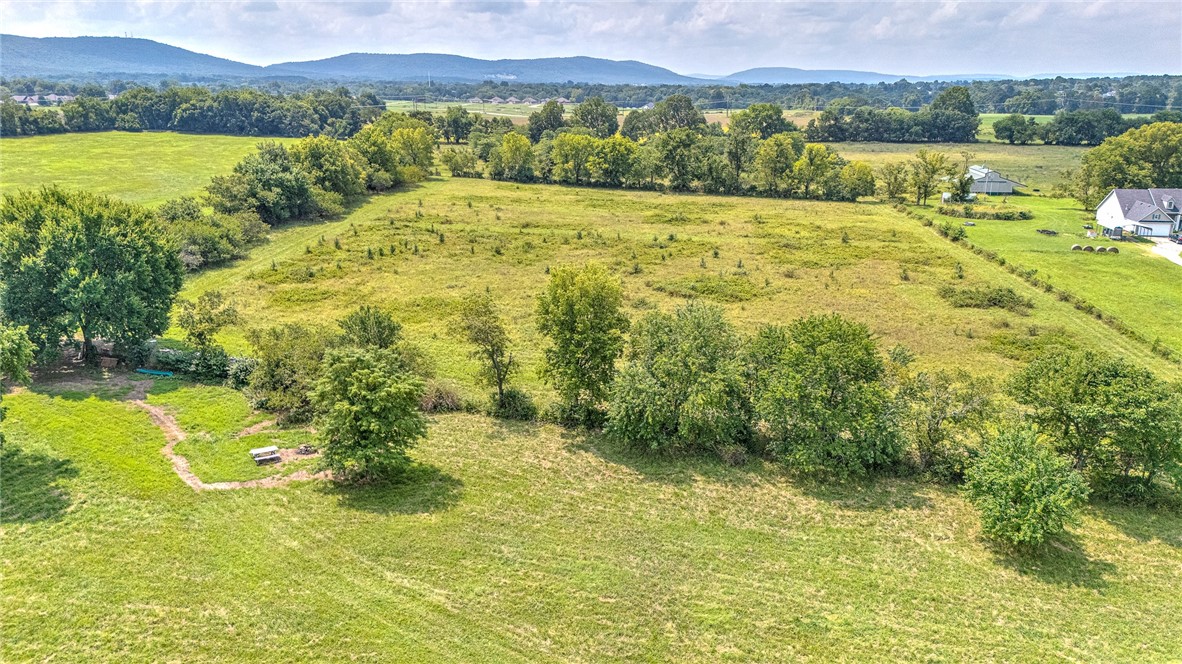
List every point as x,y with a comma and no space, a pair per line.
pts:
989,181
1144,212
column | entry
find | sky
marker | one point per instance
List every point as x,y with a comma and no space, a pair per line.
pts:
704,37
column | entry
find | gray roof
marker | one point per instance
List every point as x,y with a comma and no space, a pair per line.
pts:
978,172
1136,204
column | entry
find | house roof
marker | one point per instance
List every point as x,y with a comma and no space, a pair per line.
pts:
1137,204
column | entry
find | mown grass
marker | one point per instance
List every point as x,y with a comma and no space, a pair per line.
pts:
512,542
1137,286
1039,167
776,260
147,168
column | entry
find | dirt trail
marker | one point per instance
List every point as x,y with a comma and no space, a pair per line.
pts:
173,434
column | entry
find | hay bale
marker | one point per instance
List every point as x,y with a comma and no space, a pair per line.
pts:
1101,250
1089,248
1113,250
1076,247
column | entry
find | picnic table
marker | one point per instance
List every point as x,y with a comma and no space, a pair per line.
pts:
263,455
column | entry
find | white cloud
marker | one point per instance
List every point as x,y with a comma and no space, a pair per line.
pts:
921,37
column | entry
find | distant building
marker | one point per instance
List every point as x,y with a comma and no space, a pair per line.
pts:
496,100
529,100
989,181
1142,212
512,100
562,100
475,100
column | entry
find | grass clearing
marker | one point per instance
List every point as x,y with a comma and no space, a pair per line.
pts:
514,542
147,168
776,260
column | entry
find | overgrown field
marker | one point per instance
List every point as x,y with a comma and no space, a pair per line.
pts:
513,542
147,168
776,260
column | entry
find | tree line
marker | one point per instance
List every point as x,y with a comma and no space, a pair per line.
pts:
1126,94
1083,127
950,118
1144,157
242,111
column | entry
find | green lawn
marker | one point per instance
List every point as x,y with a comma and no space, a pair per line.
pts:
1139,287
514,542
147,168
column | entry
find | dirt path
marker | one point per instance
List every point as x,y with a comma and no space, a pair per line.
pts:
173,434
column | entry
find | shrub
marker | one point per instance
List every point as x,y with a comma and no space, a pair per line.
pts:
986,297
682,386
822,402
1024,491
238,375
210,364
514,404
289,359
441,397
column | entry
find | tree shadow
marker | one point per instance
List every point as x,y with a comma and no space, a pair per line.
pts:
876,493
1061,561
666,468
31,490
419,489
1145,523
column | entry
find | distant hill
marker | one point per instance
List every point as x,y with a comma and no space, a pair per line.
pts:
791,75
111,56
421,66
56,56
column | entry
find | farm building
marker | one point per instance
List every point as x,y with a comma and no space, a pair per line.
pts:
1143,212
475,100
512,100
496,100
529,100
989,181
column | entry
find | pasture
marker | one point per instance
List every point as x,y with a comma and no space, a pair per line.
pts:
764,260
147,168
516,542
528,542
1137,286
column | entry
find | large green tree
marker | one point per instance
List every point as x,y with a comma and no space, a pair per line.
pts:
547,118
77,264
580,312
762,120
367,413
597,115
480,323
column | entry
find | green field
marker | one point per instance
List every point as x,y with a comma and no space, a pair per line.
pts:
512,542
528,542
1137,286
147,168
1038,166
794,263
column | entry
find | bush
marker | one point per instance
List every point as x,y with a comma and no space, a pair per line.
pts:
682,387
238,376
516,404
441,397
986,297
367,413
210,364
288,364
967,212
821,400
1024,491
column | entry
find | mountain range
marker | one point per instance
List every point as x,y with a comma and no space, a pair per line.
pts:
131,57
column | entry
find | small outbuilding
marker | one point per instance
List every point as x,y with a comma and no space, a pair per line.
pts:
989,181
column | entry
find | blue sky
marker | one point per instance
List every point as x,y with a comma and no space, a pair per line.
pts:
916,38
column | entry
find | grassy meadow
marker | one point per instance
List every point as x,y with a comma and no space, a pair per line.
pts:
776,260
515,542
527,542
147,168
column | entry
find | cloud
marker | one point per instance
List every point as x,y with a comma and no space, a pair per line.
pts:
912,37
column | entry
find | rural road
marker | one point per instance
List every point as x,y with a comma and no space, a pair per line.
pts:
1171,250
